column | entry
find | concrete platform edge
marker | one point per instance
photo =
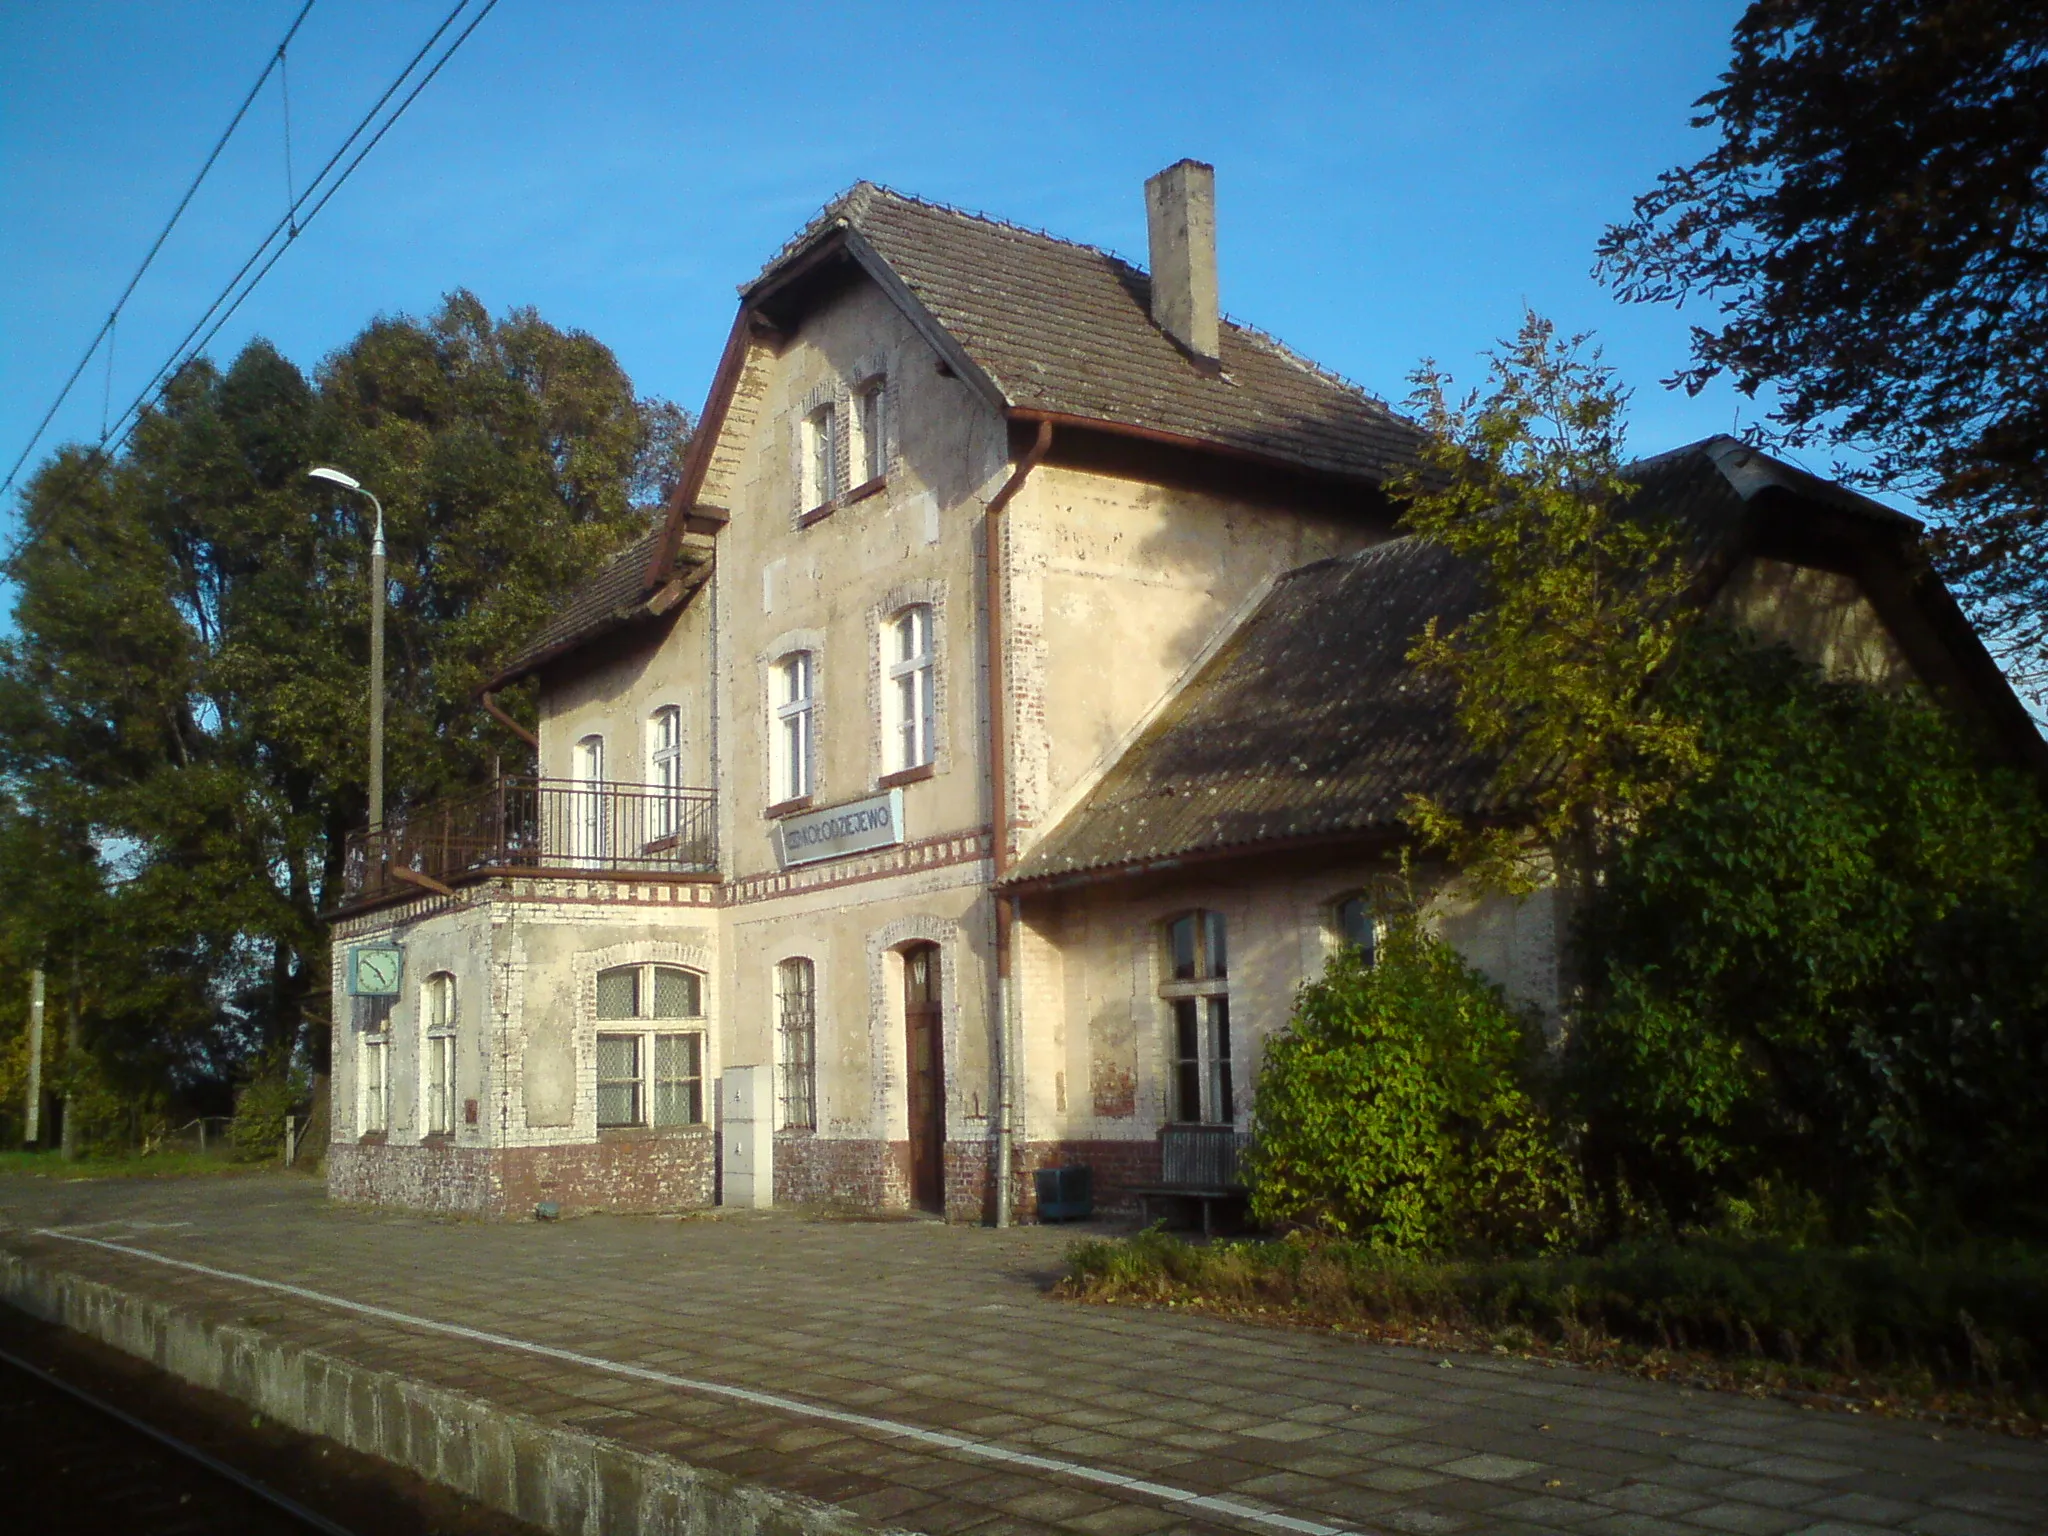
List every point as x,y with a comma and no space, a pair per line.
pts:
559,1479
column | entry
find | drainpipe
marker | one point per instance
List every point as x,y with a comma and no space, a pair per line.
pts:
999,815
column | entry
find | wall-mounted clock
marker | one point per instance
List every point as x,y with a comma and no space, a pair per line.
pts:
374,970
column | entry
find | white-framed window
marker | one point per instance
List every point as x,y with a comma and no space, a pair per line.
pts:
907,693
587,831
820,457
1356,925
437,1049
665,769
1196,992
796,1014
375,1075
792,740
871,429
648,1071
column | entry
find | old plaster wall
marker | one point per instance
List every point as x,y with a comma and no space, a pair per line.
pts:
1096,1032
854,938
616,697
828,583
1822,615
1116,588
436,936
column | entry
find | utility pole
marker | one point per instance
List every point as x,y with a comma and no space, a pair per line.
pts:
68,1132
35,1058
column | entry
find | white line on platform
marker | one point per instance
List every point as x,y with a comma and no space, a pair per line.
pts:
988,1450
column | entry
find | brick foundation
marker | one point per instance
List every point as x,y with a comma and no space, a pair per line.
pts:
626,1171
1120,1168
821,1170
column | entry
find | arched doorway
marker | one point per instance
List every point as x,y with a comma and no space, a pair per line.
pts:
925,1060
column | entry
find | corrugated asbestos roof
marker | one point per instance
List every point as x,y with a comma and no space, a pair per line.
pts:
1310,721
1067,328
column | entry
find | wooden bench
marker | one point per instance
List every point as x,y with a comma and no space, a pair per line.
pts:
1198,1163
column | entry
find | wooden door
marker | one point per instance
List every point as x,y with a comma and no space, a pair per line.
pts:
927,1073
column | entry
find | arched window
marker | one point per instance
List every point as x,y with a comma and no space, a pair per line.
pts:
907,698
1197,996
796,1014
791,742
437,1046
652,1074
1357,925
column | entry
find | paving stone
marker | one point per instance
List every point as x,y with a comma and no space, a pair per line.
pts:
945,1328
1746,1519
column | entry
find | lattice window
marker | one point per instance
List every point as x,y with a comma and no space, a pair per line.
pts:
796,989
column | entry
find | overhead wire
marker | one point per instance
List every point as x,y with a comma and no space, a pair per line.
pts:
162,235
228,301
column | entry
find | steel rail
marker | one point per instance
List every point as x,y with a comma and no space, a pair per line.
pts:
213,1464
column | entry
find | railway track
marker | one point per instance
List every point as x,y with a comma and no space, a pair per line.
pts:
95,1441
86,1465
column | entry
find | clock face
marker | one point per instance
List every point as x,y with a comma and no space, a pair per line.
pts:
377,972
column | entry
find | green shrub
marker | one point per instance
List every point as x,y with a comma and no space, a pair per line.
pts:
1817,970
1965,1317
1395,1109
274,1092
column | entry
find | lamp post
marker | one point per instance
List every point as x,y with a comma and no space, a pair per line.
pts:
377,591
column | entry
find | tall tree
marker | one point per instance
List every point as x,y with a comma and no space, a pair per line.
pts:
1873,228
1579,606
186,694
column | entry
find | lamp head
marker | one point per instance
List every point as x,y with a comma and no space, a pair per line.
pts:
322,472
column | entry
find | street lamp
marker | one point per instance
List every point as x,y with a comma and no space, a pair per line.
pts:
377,592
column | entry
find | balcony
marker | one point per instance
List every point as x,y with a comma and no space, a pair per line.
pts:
534,827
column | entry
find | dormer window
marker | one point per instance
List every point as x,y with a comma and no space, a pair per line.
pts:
871,427
820,457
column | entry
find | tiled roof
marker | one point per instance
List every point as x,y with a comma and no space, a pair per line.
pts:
1066,328
1310,721
615,594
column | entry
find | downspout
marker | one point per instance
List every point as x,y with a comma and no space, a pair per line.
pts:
489,699
999,813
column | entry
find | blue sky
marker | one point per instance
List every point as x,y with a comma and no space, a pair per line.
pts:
1393,180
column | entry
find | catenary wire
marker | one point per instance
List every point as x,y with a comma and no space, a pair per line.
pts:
162,235
186,349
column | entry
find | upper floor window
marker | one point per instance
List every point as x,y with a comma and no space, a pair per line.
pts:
1357,926
820,457
796,1008
871,428
664,770
1197,995
587,801
791,742
665,747
437,1046
907,708
650,1075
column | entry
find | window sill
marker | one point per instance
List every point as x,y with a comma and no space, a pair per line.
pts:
373,1138
817,514
650,1132
864,490
782,808
905,776
438,1139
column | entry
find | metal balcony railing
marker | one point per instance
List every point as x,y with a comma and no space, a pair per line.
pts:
556,826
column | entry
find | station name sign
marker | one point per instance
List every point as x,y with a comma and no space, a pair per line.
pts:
858,827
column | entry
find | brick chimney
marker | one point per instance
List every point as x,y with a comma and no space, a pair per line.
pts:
1180,216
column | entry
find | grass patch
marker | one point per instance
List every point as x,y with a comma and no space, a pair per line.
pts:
124,1165
1955,1336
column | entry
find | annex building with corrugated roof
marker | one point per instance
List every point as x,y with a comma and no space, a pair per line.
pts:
1009,712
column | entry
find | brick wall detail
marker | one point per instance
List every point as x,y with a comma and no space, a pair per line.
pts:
662,1171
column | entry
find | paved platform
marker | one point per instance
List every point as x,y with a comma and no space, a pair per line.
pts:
913,1376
